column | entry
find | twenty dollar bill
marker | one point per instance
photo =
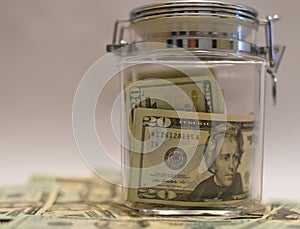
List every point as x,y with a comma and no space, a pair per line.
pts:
200,94
167,158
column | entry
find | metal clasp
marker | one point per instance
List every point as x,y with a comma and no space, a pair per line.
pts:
118,35
274,52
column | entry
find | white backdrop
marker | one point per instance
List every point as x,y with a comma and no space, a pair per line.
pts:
47,46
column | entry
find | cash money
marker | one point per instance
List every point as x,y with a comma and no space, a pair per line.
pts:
199,94
85,212
279,215
80,198
75,189
109,210
26,200
37,222
27,222
168,153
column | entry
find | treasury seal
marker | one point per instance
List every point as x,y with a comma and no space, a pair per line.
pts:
175,158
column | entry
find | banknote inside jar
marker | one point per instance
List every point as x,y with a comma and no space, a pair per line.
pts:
184,149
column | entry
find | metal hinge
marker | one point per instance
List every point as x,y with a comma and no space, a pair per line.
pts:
274,52
118,35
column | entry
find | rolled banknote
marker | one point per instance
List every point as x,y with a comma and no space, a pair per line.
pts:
199,94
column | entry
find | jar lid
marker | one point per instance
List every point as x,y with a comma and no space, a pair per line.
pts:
194,9
224,27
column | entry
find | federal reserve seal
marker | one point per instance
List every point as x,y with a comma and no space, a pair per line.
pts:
175,158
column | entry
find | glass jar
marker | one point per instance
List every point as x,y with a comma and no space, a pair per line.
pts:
193,79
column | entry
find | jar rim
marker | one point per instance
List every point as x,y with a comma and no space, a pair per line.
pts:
194,8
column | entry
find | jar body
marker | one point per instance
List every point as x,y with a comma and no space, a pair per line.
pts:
192,127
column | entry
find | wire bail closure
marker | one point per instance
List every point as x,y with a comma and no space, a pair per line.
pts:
118,34
274,52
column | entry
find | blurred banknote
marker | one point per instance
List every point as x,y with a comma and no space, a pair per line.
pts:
280,215
27,222
76,189
26,199
82,197
199,94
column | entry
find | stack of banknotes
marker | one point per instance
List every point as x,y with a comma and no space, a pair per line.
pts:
170,122
65,202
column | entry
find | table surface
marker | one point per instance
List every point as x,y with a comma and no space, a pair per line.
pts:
54,202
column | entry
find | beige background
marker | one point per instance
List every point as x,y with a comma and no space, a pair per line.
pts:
46,47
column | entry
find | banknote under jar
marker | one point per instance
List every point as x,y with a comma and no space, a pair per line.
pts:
193,79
